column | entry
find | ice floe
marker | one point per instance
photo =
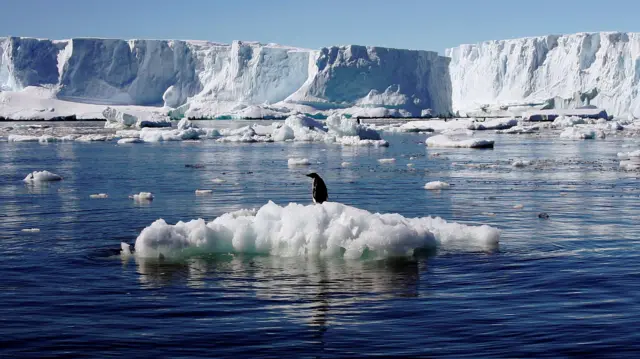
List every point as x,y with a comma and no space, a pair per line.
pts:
42,176
327,229
142,196
298,162
445,141
437,185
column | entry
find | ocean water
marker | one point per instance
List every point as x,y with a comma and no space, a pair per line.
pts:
564,286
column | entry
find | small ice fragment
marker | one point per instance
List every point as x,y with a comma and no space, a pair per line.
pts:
411,158
125,249
142,196
218,180
518,206
520,163
387,160
203,191
299,162
346,164
409,164
489,214
42,176
99,195
436,185
31,230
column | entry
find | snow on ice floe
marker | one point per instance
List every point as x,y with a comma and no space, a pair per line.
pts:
298,162
42,176
142,196
442,141
326,230
629,161
437,185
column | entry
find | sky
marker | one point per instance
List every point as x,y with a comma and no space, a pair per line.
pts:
410,24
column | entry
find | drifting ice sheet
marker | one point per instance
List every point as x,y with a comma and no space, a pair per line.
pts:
327,229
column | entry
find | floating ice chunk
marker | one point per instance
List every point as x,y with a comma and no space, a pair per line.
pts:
153,120
117,119
520,130
299,162
123,141
341,127
356,141
200,192
31,230
629,154
327,229
185,124
409,164
582,133
99,196
23,138
518,206
125,249
520,163
42,176
493,124
437,185
93,138
345,164
444,141
630,165
386,160
218,180
142,196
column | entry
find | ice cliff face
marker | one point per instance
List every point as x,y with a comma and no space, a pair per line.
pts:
223,77
600,69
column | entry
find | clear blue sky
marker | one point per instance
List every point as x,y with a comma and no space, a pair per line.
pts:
413,24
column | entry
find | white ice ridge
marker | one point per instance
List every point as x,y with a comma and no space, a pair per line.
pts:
242,79
325,230
568,71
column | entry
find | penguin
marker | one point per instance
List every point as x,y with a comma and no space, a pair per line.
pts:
319,189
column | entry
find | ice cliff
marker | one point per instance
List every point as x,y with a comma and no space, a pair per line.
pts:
207,79
601,69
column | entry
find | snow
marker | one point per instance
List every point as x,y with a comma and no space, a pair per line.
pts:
568,71
41,176
329,229
437,185
298,162
442,141
551,115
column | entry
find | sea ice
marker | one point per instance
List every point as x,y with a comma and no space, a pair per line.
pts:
437,185
299,162
582,133
42,176
386,160
444,141
99,196
200,192
327,229
142,196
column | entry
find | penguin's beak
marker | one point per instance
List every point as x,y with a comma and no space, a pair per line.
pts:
309,175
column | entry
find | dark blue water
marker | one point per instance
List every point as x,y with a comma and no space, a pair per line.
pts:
565,286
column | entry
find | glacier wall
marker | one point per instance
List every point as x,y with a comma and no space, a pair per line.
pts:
600,69
223,77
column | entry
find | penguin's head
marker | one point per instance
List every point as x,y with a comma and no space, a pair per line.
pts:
313,175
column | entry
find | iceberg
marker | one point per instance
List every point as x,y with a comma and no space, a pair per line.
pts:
201,79
329,229
548,72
